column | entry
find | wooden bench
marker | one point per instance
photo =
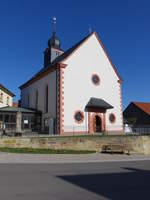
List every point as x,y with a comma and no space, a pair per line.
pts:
116,148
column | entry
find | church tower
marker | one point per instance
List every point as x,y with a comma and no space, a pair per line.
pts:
53,50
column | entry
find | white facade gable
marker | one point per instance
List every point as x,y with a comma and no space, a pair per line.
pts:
90,58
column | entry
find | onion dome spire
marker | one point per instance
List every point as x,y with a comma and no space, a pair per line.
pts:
54,40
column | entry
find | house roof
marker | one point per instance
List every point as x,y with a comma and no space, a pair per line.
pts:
2,87
64,56
15,104
145,106
16,109
98,103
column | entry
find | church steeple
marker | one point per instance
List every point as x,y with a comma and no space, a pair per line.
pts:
53,49
54,41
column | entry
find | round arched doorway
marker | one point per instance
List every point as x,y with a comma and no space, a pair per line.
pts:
97,124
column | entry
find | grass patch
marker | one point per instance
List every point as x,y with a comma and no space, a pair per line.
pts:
44,151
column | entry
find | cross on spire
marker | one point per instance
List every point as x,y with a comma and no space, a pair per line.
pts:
90,29
54,25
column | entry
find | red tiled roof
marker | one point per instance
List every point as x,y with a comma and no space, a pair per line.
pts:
143,106
15,104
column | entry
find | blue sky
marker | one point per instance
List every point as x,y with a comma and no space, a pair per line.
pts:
123,27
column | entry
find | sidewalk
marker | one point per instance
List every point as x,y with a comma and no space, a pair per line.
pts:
62,158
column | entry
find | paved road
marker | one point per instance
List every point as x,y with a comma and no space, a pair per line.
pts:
71,158
78,181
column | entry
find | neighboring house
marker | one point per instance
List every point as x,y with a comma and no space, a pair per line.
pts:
78,90
6,97
137,114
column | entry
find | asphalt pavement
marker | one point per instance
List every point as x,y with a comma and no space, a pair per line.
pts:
76,181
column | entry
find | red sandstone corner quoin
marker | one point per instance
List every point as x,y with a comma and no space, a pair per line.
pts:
61,98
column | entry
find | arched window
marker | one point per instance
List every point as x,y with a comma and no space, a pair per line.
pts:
36,99
46,99
28,101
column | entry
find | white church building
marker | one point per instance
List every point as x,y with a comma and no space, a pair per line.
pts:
78,90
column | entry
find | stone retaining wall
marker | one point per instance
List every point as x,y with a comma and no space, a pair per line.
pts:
139,144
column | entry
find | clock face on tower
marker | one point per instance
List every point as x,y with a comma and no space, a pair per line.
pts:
57,42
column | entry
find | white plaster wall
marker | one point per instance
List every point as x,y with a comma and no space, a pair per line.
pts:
90,59
4,103
40,85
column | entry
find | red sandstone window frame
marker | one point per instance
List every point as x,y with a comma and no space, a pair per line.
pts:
82,114
113,117
99,80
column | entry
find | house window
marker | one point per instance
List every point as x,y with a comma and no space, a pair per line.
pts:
46,99
112,118
7,101
36,100
1,97
79,117
95,79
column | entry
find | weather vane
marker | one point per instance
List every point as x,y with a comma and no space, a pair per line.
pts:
90,29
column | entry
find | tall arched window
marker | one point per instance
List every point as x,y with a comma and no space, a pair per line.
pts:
36,99
46,99
28,101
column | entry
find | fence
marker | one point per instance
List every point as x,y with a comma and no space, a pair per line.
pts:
7,128
111,129
10,129
76,130
137,129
